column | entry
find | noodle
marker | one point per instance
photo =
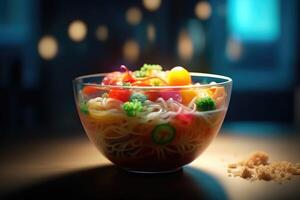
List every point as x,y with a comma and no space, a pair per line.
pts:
119,135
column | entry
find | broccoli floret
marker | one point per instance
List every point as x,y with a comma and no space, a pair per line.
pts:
205,104
132,108
147,70
84,108
149,67
138,97
139,74
126,84
156,82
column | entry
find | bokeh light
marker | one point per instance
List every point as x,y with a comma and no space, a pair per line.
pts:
196,32
203,10
133,16
185,46
77,30
102,33
131,50
47,47
152,5
151,32
234,49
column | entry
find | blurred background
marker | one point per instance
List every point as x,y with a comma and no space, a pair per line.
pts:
45,44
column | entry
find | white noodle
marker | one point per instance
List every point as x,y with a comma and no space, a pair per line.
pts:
124,137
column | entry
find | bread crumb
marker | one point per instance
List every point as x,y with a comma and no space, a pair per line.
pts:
232,165
263,173
256,159
246,173
257,167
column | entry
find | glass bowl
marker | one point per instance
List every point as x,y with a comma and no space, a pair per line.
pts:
167,133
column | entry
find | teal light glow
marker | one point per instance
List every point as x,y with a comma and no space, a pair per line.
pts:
254,20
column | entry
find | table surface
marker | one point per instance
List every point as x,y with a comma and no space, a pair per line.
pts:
72,166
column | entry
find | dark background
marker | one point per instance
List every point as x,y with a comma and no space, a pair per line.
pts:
255,42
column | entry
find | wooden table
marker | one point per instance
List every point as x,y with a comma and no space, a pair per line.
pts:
72,167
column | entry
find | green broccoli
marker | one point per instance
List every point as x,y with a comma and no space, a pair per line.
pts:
147,70
156,82
126,84
83,107
139,74
148,67
205,104
138,97
132,108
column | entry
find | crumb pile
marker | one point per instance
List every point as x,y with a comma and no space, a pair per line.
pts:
257,167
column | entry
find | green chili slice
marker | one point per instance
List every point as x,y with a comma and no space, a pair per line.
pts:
163,134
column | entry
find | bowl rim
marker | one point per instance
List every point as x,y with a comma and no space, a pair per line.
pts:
227,81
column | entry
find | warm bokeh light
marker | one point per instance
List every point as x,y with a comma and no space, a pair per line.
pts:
77,30
151,5
234,49
48,47
131,50
134,16
185,46
203,10
151,32
102,33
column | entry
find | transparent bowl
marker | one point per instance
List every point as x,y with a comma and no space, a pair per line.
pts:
168,133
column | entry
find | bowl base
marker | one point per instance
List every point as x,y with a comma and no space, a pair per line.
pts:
153,172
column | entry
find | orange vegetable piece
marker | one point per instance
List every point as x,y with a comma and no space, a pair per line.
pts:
90,90
179,76
218,94
187,96
140,83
